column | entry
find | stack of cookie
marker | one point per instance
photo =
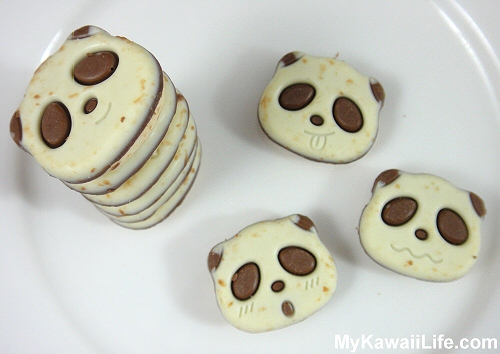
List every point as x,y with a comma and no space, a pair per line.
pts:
102,116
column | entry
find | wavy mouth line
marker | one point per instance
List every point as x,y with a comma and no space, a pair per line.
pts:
104,115
415,255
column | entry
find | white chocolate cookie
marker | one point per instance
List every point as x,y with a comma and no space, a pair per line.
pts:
422,226
103,90
272,274
321,108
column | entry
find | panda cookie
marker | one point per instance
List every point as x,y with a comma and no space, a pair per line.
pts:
422,226
321,108
272,274
102,116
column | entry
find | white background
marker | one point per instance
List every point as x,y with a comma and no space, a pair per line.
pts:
71,281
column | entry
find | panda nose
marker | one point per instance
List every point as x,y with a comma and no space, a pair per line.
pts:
277,286
90,105
421,234
317,120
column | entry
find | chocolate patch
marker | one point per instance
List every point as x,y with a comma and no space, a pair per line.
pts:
90,105
55,124
297,260
245,281
378,91
95,68
478,204
16,128
214,260
296,96
289,59
386,178
347,115
287,308
277,286
452,227
304,223
399,211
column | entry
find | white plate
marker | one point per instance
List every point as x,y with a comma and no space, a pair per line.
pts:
73,282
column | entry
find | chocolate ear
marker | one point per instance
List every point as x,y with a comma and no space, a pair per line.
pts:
84,32
214,259
16,128
290,58
304,222
478,204
377,90
385,178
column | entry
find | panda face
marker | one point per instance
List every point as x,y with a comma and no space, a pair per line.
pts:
87,104
321,108
272,274
422,226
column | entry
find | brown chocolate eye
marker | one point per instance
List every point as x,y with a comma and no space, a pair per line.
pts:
245,281
95,68
399,211
347,115
297,260
452,227
296,96
55,125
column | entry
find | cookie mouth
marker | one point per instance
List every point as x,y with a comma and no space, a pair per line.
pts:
287,308
318,141
106,112
417,256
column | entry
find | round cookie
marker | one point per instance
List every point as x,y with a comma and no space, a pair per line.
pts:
272,274
321,108
422,226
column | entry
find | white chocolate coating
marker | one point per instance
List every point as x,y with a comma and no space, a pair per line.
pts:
145,206
331,79
175,172
261,243
98,139
399,249
164,209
